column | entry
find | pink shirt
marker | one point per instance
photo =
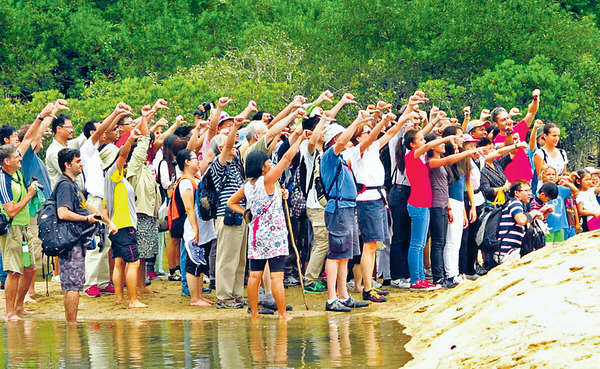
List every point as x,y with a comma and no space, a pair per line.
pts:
418,176
520,167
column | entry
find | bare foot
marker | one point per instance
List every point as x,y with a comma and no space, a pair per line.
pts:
29,300
11,318
255,315
200,303
207,300
22,312
137,304
146,290
285,316
120,300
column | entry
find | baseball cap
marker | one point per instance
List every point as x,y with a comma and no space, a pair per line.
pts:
224,117
477,123
468,138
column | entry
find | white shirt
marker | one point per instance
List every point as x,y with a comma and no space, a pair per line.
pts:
312,201
398,177
92,168
368,170
478,198
558,162
590,203
206,229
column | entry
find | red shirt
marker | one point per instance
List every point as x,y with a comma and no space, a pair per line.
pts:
418,176
520,167
121,141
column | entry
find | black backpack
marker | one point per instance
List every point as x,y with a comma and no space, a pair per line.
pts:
58,237
206,198
486,237
534,237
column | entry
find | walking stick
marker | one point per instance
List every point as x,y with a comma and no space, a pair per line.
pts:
289,224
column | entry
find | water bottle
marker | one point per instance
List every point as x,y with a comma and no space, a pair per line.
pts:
26,255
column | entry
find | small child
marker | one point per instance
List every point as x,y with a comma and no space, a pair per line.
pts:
548,192
587,203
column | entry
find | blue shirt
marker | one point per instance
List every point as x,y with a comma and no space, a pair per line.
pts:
33,166
509,232
457,189
558,220
344,187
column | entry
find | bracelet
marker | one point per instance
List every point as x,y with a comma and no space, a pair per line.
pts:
39,117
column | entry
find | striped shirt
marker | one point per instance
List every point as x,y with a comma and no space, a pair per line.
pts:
509,232
228,179
12,188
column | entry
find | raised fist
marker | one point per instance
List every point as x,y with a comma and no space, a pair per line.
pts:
325,96
223,101
47,111
161,104
514,112
536,94
348,98
252,105
179,119
485,114
123,106
467,111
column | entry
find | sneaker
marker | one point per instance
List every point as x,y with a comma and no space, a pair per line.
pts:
337,305
472,277
428,274
206,290
108,289
400,283
386,282
381,292
212,285
479,270
2,286
315,287
242,301
56,278
93,291
175,277
229,305
451,282
351,302
373,296
290,281
375,284
152,275
273,306
430,285
423,286
195,253
351,285
206,279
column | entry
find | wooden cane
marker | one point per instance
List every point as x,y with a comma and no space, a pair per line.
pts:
289,224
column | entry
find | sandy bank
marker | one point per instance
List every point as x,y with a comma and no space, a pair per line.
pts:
541,311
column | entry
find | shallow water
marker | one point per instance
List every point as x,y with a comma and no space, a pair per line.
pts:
317,342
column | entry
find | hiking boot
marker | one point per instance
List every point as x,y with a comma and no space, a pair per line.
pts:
351,302
229,305
175,277
337,305
400,283
93,291
315,287
373,296
290,281
108,289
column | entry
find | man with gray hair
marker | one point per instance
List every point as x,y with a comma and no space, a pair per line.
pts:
15,198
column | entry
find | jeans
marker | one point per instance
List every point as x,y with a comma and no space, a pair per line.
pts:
419,224
182,259
438,227
3,274
401,226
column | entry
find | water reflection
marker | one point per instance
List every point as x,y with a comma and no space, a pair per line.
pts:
328,341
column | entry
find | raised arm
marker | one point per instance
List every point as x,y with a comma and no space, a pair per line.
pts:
505,150
276,172
317,132
226,154
213,123
275,129
364,145
451,159
346,99
251,107
533,107
35,130
533,135
295,104
467,114
120,111
407,116
346,136
431,144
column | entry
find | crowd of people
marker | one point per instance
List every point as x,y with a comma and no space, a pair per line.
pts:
401,195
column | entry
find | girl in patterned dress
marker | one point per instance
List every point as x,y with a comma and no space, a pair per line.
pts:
267,234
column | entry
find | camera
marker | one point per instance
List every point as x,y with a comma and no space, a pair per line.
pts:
39,185
203,109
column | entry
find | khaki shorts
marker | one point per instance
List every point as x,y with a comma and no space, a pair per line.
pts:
11,248
35,244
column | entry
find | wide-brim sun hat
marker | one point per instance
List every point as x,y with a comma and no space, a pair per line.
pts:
331,131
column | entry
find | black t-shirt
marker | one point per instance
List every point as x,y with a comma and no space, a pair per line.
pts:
70,196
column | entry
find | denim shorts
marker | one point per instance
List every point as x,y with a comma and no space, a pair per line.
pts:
343,233
372,221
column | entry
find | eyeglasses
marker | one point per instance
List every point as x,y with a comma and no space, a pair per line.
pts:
67,127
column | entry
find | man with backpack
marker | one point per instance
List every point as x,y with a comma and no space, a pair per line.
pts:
72,207
15,198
